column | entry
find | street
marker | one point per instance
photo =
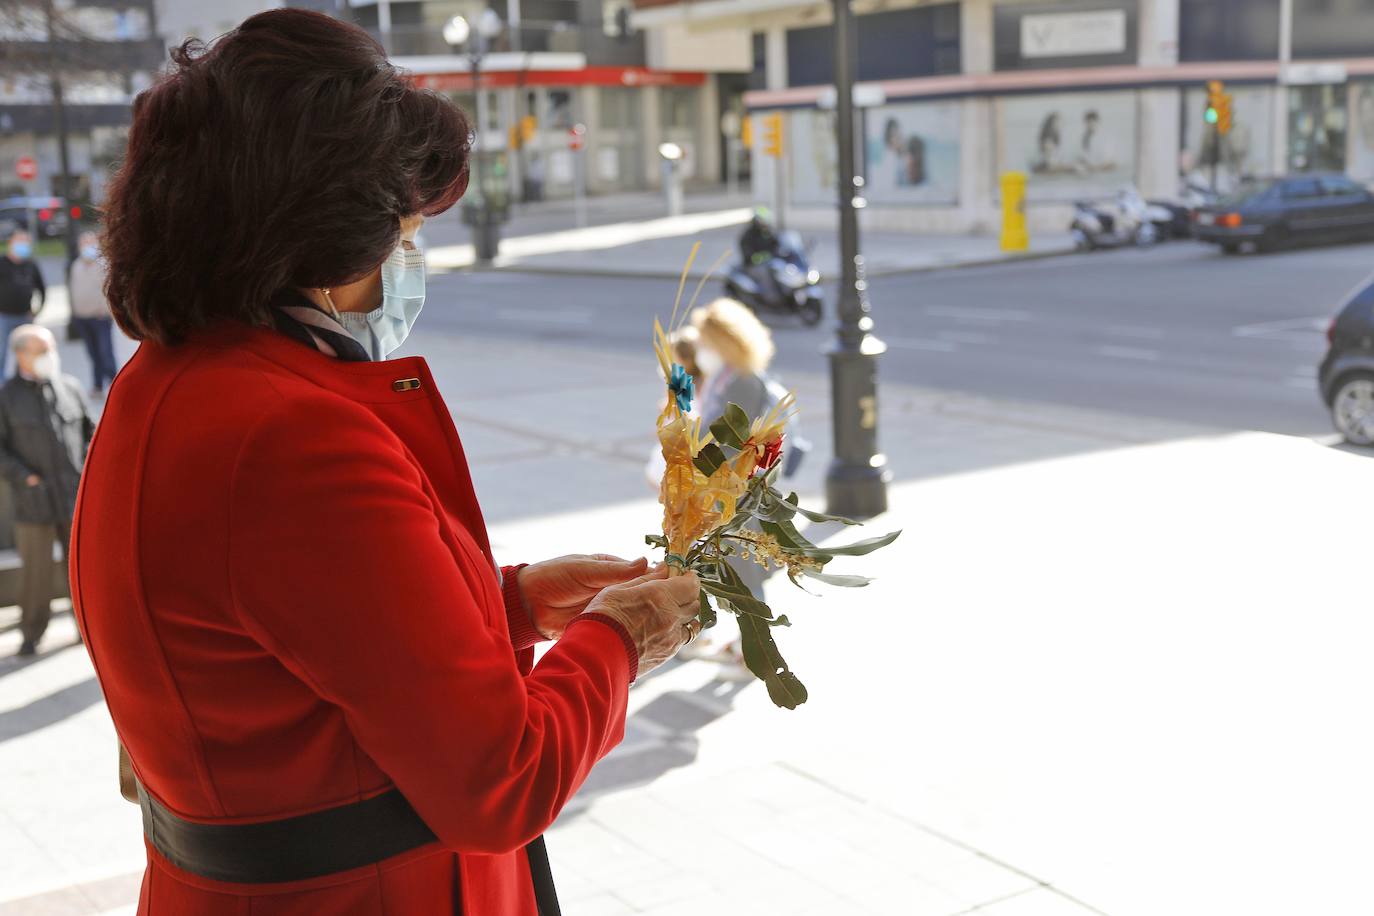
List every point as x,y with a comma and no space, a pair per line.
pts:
1178,332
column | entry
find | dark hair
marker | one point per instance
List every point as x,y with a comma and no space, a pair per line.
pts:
283,155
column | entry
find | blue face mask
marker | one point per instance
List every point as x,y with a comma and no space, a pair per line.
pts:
90,252
383,330
21,249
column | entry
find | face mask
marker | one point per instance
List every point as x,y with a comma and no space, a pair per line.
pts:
45,366
709,361
90,252
21,249
383,330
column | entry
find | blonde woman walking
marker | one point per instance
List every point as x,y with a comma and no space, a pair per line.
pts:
734,350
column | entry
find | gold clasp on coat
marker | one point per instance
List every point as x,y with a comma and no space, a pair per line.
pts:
405,384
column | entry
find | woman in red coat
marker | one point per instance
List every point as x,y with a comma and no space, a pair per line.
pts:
324,681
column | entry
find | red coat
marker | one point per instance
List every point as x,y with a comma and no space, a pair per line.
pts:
284,581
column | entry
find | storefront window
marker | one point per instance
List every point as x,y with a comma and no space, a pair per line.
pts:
1361,164
560,116
1317,128
678,108
619,108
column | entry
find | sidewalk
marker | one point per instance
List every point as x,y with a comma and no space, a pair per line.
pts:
631,236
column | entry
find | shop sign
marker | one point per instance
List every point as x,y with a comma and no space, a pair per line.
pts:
1090,33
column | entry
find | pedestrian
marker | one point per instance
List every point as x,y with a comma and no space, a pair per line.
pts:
734,350
20,278
91,311
44,431
324,682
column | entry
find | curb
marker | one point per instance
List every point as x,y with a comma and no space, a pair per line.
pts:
621,274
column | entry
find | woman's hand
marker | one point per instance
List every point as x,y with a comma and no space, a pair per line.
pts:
659,613
556,591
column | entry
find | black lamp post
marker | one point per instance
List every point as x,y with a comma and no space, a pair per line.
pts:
856,483
479,211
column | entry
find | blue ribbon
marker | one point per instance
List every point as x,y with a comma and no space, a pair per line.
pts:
681,385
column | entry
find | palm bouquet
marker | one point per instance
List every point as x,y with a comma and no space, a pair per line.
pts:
720,502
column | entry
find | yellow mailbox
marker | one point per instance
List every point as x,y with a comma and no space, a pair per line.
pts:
1014,237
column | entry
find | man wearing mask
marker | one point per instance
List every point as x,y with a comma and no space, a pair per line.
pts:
91,311
20,278
44,431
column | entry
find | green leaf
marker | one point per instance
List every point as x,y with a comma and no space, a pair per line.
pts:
732,428
729,586
739,599
809,515
761,656
780,621
787,535
771,507
866,546
834,579
709,459
770,476
707,614
656,540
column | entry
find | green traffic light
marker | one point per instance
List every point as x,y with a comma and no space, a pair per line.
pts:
1210,115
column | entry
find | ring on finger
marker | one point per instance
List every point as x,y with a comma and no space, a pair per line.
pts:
692,627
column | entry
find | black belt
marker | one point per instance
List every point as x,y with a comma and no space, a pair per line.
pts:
308,845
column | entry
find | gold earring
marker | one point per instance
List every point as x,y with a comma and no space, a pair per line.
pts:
333,309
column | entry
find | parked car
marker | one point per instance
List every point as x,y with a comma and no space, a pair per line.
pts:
45,217
1346,376
1264,214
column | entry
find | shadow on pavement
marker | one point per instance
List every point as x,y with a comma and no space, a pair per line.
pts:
49,710
12,664
1361,450
660,737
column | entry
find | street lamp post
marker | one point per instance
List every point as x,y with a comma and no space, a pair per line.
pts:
478,212
856,483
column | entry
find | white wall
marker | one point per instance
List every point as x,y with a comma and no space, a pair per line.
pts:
680,47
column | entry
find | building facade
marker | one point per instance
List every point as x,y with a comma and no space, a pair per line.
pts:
1084,96
555,65
100,55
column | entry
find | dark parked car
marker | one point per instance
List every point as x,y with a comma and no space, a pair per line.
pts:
45,217
1346,376
1261,215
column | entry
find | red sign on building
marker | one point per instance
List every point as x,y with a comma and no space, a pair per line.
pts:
26,168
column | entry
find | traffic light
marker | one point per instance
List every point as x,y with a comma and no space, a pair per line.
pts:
1218,110
1212,113
772,135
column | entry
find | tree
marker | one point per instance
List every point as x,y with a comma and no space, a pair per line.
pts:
53,42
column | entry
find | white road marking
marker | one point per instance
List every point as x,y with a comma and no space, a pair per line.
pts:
976,314
1296,329
920,343
1128,353
562,316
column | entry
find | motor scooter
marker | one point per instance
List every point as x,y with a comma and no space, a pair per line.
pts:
785,282
1131,220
